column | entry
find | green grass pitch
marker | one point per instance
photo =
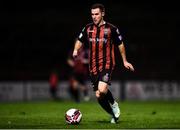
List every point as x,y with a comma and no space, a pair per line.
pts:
50,115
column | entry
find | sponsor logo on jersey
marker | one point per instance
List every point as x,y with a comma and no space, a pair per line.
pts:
106,31
104,40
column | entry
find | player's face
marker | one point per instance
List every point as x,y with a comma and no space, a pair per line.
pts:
97,16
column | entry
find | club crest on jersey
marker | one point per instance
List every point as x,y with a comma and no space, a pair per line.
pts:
105,77
106,31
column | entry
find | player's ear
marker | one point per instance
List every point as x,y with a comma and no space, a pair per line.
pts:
103,13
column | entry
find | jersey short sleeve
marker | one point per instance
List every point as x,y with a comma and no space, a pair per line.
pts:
82,35
116,36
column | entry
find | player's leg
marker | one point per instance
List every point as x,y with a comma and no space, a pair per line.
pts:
105,77
82,83
74,89
113,103
100,89
101,95
103,90
85,92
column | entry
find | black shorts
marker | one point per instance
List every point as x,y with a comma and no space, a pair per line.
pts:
104,76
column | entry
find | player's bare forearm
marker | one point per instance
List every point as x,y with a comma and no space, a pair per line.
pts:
122,51
77,46
123,54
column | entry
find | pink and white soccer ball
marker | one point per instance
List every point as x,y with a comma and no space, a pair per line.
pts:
73,116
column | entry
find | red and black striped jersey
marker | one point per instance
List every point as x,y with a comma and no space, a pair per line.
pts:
101,41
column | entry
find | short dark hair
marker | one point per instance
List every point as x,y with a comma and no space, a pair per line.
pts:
98,5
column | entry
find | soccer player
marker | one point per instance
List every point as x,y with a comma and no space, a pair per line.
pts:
102,37
53,82
79,74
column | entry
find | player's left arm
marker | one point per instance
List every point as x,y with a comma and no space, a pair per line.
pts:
118,40
123,55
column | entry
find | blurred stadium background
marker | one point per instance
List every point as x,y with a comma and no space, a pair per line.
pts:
36,38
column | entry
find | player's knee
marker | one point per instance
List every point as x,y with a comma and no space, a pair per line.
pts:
97,94
103,89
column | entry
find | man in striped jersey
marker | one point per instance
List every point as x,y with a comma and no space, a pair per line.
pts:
101,38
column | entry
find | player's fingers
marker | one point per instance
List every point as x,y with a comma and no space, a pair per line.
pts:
127,67
75,54
131,68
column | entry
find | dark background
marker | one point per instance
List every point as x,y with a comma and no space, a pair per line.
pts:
36,37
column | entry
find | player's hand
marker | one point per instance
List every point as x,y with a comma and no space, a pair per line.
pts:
75,54
129,66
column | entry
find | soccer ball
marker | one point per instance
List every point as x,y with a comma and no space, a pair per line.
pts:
73,116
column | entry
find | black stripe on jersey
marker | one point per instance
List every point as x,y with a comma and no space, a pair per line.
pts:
104,47
111,63
111,59
90,48
97,49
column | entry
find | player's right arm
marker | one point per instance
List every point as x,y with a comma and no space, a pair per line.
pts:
77,46
78,43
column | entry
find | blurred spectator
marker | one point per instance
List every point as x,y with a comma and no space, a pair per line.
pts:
79,75
53,82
